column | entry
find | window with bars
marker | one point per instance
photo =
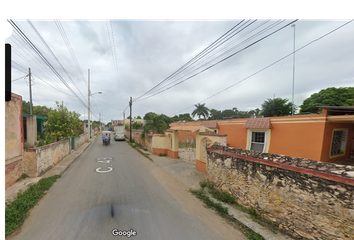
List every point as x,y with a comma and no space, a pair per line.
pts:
339,142
258,141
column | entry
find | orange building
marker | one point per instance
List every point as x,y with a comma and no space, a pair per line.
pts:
326,137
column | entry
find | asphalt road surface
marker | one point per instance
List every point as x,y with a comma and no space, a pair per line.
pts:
116,189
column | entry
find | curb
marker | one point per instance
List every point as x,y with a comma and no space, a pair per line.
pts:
78,155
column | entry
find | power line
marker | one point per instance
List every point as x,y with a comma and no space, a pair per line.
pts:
114,54
191,60
33,58
290,54
224,53
50,50
44,59
24,71
106,103
218,62
23,77
70,49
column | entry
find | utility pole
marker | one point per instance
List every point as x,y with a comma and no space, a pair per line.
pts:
89,93
124,119
130,127
30,88
292,107
99,121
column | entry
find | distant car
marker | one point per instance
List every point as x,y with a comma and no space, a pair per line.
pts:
119,136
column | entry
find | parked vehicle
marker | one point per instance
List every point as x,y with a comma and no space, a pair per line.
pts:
119,136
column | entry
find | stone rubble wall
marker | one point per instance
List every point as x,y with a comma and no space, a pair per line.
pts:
307,199
187,154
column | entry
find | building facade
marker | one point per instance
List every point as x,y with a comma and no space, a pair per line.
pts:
326,137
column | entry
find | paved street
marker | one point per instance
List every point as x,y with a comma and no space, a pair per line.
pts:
115,187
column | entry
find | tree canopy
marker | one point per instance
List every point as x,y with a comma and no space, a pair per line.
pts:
62,123
37,110
201,110
276,107
154,125
343,96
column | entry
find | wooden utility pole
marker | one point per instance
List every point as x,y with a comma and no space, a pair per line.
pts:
130,127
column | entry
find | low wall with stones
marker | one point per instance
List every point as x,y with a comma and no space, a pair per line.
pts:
39,160
307,199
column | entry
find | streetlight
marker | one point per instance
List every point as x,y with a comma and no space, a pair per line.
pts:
89,94
292,107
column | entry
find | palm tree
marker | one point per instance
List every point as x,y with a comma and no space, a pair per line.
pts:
155,125
201,110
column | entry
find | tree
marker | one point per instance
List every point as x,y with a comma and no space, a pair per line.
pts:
37,110
201,110
63,123
149,116
138,117
166,119
276,107
215,115
154,125
343,96
136,125
26,107
228,113
257,111
185,117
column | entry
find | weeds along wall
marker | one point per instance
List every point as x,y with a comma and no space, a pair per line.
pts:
308,199
136,136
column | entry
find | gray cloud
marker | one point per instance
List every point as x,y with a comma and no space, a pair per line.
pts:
149,51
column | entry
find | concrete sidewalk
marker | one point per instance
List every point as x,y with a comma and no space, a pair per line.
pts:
188,173
58,169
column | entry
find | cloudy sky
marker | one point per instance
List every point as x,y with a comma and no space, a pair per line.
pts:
128,58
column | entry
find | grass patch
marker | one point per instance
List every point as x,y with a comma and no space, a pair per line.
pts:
230,199
23,176
223,212
135,145
18,210
219,194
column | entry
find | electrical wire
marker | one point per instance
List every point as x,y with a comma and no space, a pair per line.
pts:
218,62
71,50
44,59
229,50
55,57
268,66
23,77
24,71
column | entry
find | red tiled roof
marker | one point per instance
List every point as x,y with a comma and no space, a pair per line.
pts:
210,124
258,123
187,128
